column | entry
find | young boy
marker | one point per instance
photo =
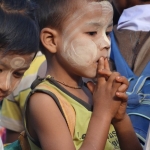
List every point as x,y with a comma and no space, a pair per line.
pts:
74,39
19,39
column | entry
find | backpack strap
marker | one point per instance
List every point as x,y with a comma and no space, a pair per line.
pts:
122,67
68,111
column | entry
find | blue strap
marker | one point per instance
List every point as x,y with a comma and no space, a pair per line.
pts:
121,65
139,86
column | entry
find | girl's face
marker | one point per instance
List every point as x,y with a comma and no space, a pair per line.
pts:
86,37
12,68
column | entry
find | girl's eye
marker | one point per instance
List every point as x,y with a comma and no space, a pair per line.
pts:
18,75
1,70
92,33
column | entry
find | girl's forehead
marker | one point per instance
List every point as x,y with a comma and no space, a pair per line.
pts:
16,61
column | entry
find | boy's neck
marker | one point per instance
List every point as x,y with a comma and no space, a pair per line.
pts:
55,70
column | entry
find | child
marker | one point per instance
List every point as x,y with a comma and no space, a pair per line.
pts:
13,105
74,35
19,38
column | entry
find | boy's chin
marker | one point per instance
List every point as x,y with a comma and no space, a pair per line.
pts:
90,75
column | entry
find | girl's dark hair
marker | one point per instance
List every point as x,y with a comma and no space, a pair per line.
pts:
19,33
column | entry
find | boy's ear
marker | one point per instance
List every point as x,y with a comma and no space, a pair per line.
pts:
48,38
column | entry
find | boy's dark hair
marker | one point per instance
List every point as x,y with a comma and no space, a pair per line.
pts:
19,33
53,13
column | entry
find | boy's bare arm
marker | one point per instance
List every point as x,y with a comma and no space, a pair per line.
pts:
126,135
51,128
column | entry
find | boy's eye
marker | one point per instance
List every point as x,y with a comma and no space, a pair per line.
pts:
107,33
92,33
18,75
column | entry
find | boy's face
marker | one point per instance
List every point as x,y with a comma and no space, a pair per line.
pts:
12,68
85,38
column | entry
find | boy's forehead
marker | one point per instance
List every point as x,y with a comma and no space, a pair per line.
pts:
92,13
102,8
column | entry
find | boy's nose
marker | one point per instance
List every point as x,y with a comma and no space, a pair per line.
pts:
103,42
104,45
5,86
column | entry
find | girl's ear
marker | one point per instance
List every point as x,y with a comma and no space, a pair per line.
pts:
49,39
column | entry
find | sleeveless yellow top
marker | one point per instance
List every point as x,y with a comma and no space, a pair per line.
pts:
83,113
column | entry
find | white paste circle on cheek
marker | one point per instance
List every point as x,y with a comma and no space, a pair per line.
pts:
17,62
81,52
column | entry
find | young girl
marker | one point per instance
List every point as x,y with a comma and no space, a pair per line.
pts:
18,42
75,41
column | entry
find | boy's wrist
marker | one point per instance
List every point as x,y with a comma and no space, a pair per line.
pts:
102,115
121,121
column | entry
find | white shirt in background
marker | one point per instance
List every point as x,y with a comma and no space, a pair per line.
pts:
135,18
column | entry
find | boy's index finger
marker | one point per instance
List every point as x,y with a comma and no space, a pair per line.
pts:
100,64
100,77
106,64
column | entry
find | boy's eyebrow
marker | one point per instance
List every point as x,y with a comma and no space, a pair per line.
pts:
93,24
98,24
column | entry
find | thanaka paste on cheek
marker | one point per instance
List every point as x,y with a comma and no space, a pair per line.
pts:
7,83
8,80
13,63
82,52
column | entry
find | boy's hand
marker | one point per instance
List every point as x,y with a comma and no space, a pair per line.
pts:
104,92
121,93
119,81
105,71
